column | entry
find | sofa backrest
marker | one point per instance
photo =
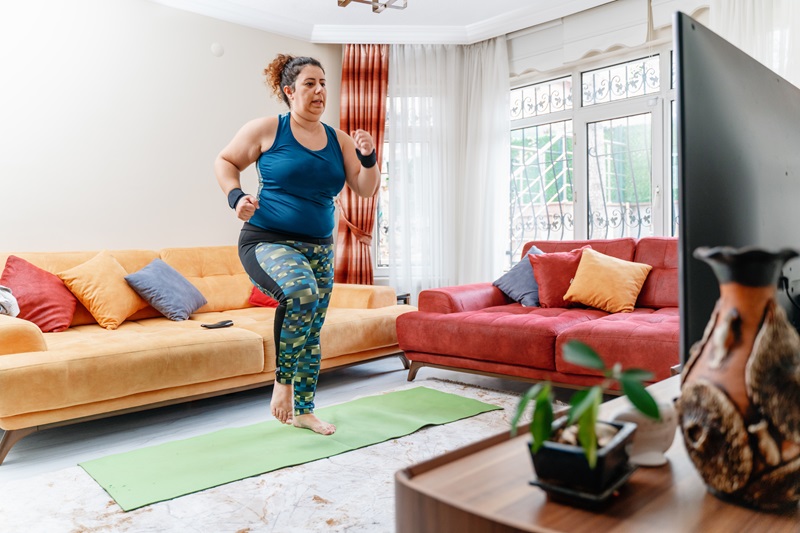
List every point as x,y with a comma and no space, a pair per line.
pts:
620,248
660,289
55,262
216,272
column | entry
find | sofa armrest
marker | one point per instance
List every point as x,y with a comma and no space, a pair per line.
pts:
354,296
461,298
19,336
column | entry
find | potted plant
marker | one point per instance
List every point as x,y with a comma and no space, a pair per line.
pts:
577,455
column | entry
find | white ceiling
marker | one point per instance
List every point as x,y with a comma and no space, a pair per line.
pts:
422,22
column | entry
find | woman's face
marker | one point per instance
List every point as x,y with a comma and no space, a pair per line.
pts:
309,94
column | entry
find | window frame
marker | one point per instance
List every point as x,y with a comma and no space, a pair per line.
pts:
657,104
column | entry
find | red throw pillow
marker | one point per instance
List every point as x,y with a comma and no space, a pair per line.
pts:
42,297
554,273
259,299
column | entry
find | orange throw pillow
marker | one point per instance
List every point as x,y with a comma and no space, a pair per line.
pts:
99,284
607,283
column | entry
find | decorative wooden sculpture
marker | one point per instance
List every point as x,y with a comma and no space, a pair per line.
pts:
740,395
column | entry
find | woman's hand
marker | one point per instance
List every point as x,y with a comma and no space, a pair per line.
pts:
363,174
246,207
363,141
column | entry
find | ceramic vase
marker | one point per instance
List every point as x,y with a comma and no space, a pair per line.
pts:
739,408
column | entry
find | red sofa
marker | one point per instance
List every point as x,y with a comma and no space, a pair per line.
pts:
477,328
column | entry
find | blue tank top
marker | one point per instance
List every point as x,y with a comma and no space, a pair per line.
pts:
297,185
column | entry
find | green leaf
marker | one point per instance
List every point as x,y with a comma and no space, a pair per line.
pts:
583,400
587,434
526,398
639,397
580,354
637,374
542,424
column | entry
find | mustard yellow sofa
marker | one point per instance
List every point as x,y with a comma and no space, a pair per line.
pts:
87,372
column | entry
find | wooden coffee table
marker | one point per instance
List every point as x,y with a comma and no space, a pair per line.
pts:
485,487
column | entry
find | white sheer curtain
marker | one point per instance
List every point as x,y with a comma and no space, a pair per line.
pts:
768,30
448,158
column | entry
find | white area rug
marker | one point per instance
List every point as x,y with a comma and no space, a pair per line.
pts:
352,492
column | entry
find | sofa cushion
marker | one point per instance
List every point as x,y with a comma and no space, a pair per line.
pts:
607,283
510,334
645,338
345,332
554,273
42,297
88,364
166,290
362,296
99,284
661,287
519,284
259,299
55,262
216,271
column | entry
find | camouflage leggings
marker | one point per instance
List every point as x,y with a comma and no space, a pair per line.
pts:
300,277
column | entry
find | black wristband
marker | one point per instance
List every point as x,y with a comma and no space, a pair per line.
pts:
234,196
367,161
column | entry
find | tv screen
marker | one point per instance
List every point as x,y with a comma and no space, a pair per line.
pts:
738,166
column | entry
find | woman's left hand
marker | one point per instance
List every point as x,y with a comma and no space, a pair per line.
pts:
363,141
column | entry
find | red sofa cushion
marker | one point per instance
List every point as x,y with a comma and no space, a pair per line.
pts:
509,334
646,339
42,297
660,289
554,272
259,299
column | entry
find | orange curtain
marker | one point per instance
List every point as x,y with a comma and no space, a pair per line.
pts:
365,75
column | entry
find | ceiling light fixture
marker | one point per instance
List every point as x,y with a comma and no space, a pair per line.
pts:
377,5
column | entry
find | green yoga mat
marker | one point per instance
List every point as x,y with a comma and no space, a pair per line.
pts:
149,475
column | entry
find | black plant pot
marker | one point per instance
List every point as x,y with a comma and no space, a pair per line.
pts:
565,466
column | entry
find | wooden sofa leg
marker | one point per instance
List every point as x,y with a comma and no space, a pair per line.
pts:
11,437
404,360
412,371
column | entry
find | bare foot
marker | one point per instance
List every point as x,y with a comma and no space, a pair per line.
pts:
282,403
310,421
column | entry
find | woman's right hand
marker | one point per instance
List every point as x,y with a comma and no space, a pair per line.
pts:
246,207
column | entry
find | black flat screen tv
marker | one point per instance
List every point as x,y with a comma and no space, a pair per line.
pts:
738,134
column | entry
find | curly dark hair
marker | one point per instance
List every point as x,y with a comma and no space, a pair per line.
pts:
283,71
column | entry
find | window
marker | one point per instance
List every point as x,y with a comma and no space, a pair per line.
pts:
382,240
542,198
619,175
596,170
618,82
414,112
541,99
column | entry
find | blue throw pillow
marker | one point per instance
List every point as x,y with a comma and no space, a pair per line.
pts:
166,290
519,284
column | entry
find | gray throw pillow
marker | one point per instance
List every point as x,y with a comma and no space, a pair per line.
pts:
519,284
166,290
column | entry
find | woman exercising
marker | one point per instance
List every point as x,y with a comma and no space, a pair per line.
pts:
286,243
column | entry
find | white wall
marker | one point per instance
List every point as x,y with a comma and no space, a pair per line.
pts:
111,115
